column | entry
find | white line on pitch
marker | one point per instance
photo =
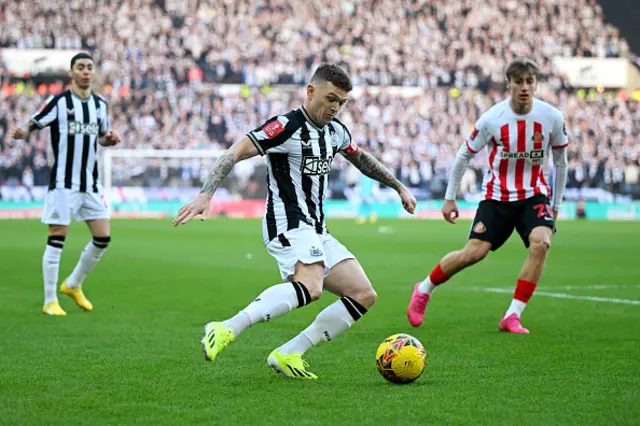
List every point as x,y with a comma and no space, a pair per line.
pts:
596,287
557,295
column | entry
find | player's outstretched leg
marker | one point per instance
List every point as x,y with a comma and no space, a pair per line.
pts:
50,268
346,279
539,245
275,301
473,252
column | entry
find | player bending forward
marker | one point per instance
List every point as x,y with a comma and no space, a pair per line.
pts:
299,147
517,133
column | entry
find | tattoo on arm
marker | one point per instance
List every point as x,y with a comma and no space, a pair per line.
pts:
372,168
218,172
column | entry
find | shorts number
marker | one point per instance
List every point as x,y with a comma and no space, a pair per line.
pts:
543,210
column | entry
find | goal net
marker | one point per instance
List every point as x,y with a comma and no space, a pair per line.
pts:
156,183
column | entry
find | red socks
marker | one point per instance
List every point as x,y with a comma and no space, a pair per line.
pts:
437,277
524,290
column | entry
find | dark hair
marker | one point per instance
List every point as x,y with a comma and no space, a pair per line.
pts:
79,56
521,65
333,74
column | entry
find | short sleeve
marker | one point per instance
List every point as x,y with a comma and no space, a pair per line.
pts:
47,114
271,136
105,123
345,144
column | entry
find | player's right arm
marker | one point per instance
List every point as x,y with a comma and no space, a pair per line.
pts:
266,139
41,119
477,140
199,207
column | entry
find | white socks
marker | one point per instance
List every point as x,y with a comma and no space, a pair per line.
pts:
273,302
426,287
516,307
88,259
335,319
51,266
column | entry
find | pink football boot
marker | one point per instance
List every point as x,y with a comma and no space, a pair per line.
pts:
511,324
417,305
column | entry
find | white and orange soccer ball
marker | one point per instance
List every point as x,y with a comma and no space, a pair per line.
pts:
401,358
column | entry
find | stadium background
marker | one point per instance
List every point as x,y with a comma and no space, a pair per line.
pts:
195,75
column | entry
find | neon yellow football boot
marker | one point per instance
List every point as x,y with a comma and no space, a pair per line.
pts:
290,365
216,338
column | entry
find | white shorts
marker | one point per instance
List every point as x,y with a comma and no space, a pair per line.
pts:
62,205
306,246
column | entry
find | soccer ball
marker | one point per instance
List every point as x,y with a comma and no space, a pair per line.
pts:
401,358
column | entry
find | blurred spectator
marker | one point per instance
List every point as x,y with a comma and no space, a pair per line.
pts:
160,62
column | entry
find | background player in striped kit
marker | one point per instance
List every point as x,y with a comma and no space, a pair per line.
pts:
78,121
518,133
299,148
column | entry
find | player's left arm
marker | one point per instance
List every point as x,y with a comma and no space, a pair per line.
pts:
559,144
106,136
371,167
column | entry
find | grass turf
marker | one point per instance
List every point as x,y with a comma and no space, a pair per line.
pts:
136,359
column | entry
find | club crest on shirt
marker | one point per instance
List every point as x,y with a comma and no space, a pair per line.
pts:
537,137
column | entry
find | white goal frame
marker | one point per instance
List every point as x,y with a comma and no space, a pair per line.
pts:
110,154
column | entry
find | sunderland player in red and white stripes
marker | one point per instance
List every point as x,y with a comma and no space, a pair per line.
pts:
519,133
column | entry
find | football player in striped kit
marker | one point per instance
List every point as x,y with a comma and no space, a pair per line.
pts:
518,133
78,121
299,147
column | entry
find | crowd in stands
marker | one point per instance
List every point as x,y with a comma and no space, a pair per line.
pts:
160,62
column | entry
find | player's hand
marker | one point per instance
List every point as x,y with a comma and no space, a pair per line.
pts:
112,138
450,211
408,200
555,215
199,208
18,134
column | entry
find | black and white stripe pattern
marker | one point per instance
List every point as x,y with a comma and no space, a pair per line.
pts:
304,298
75,126
299,156
56,241
355,309
101,242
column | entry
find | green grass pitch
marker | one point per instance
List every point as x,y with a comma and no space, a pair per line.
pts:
136,359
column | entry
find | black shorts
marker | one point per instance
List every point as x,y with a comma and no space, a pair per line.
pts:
495,220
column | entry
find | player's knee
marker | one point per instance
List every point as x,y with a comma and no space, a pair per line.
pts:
315,291
539,247
101,242
474,254
365,296
308,290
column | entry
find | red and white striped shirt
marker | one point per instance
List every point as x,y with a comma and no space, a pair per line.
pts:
518,148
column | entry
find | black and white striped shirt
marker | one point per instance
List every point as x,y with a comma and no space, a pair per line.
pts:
75,126
299,155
